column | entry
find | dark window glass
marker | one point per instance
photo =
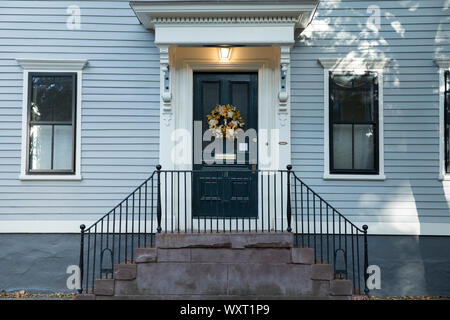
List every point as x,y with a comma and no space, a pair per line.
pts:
51,123
447,121
353,123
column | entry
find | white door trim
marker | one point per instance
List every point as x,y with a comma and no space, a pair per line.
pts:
176,125
179,115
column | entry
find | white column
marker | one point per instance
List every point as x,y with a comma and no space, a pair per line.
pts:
283,122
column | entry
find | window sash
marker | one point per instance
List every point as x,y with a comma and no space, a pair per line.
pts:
30,124
373,123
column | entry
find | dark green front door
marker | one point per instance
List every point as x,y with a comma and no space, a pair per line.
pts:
227,187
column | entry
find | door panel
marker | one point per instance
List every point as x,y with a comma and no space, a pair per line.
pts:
226,188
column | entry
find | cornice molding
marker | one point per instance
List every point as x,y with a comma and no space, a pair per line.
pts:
152,13
225,20
443,63
354,63
52,64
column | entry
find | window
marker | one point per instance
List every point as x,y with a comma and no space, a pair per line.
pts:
51,123
353,123
447,121
353,118
443,65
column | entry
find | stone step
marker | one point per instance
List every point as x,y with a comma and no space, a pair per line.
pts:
225,255
222,266
277,279
225,240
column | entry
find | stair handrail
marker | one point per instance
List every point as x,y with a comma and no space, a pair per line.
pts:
84,230
362,230
292,179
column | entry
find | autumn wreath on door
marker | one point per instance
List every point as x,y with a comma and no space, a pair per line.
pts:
224,121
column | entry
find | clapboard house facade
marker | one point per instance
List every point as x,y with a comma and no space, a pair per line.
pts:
353,95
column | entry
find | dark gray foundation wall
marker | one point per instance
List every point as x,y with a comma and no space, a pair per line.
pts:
37,262
410,265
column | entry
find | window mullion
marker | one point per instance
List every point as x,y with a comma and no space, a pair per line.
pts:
53,146
446,122
353,146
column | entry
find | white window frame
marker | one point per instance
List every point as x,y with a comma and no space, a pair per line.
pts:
54,66
443,65
357,66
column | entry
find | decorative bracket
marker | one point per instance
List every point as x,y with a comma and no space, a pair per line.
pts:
166,93
283,95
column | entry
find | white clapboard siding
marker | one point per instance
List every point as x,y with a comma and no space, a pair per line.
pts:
120,117
120,108
412,33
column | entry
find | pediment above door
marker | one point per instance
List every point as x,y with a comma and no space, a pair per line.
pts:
224,22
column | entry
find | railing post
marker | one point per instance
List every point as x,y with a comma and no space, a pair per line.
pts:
366,260
81,263
289,208
158,201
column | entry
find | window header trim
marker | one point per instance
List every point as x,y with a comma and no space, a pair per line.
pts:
352,64
52,64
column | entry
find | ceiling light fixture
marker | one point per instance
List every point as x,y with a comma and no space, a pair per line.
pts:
224,53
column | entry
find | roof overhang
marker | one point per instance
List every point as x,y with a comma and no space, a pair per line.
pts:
233,23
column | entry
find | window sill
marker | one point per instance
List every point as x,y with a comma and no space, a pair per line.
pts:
379,177
49,177
444,177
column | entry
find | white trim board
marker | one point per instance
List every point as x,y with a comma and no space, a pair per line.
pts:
375,228
52,64
443,65
342,65
57,66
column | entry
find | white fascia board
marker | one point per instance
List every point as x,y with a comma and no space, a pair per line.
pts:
225,34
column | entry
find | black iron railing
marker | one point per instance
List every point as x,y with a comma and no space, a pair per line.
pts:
164,203
335,240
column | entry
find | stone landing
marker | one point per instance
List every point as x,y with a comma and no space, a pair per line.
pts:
222,266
